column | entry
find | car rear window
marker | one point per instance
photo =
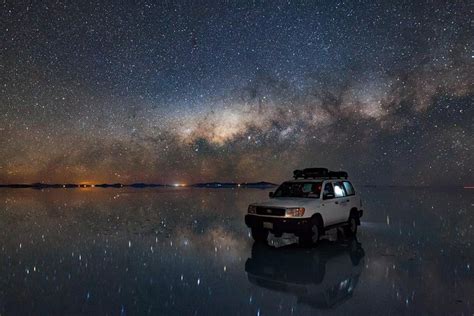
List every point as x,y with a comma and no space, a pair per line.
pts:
349,188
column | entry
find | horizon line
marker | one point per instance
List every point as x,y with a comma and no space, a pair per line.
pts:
216,183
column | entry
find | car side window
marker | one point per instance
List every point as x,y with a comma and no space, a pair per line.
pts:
316,190
339,189
328,192
307,188
349,188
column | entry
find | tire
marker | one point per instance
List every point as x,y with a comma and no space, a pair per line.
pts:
351,228
311,237
259,235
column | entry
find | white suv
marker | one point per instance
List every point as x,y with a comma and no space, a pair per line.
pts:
315,201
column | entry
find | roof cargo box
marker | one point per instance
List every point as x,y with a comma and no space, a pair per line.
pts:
338,174
311,173
319,173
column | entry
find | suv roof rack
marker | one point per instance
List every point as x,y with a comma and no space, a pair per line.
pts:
319,173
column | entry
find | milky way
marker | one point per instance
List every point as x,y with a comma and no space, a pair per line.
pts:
191,92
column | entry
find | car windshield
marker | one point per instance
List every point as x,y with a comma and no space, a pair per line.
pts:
299,189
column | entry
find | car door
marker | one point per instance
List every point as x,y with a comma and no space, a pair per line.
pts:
330,208
353,200
342,201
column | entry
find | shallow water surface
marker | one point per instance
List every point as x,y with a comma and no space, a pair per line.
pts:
188,252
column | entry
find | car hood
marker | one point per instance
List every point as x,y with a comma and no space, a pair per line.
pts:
288,202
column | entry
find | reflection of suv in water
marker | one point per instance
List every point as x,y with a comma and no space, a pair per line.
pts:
323,277
315,201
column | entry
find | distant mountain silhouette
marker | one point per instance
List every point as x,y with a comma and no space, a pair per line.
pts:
146,185
261,184
108,185
40,185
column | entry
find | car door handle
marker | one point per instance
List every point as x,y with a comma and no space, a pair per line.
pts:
348,200
336,202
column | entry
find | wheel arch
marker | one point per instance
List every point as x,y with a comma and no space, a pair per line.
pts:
318,218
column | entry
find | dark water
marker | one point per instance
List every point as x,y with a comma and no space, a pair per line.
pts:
187,252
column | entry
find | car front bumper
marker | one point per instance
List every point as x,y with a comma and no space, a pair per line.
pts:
278,224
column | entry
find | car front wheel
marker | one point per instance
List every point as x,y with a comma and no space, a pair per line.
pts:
351,228
312,236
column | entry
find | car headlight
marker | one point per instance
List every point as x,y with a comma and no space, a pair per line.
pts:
294,212
252,209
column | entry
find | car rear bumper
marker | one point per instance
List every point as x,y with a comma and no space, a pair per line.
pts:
283,225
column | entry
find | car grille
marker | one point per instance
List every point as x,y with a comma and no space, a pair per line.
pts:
270,211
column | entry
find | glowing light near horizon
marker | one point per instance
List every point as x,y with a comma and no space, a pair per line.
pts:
179,185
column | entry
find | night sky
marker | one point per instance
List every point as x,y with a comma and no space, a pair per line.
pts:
190,92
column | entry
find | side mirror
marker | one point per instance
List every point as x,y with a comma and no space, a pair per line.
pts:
271,194
328,196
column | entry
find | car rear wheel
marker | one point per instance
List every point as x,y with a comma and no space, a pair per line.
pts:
351,227
259,235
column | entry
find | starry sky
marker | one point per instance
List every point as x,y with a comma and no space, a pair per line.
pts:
115,91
